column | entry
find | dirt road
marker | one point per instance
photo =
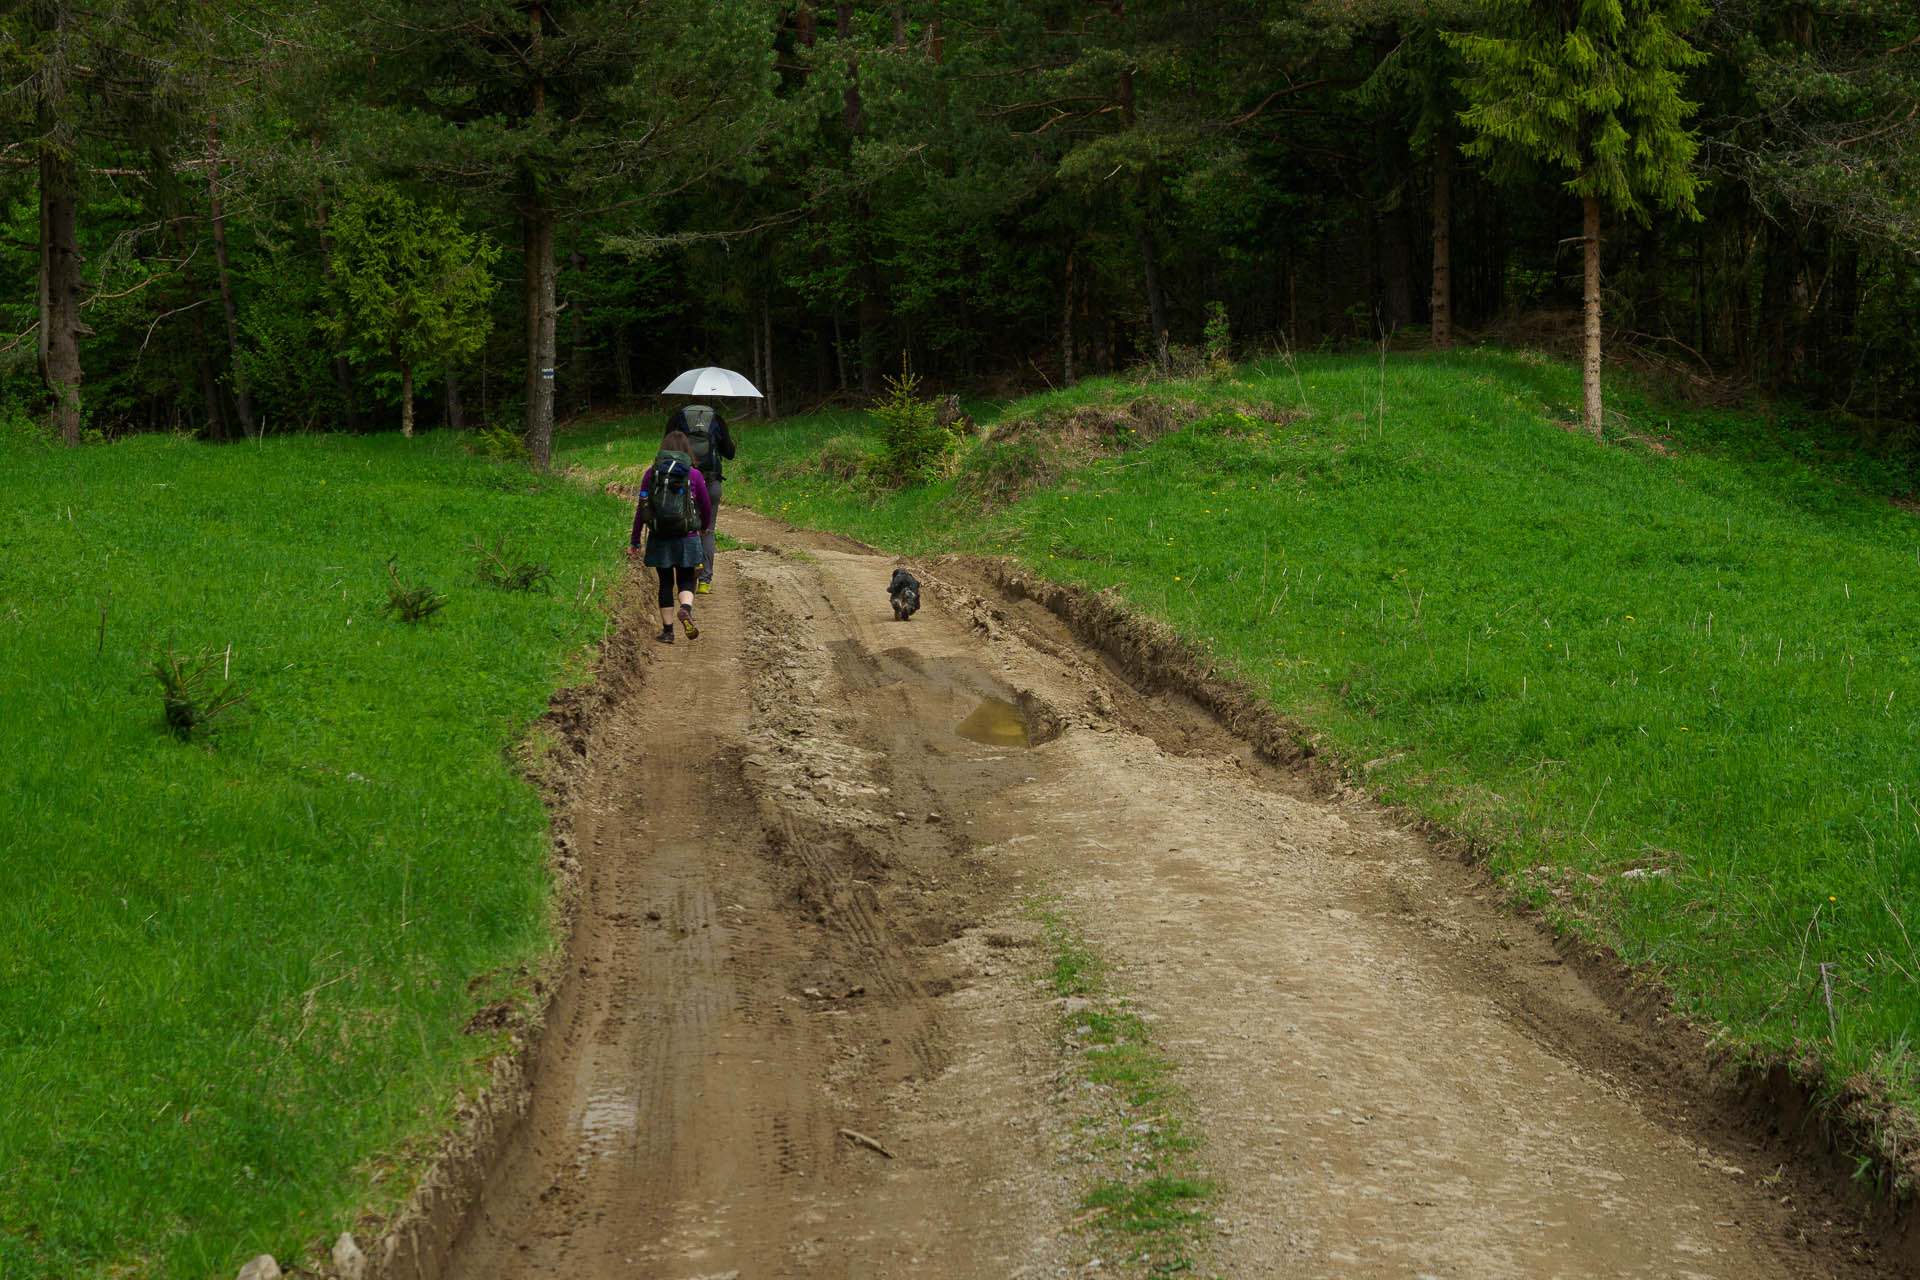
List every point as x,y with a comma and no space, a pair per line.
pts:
800,1035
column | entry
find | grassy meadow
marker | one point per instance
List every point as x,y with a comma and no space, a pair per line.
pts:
1670,683
234,968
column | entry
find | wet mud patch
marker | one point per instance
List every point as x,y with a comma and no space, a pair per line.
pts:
995,722
959,695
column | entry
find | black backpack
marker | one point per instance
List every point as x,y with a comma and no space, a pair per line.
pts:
669,495
699,428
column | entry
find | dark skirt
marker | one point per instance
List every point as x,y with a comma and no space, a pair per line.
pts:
680,551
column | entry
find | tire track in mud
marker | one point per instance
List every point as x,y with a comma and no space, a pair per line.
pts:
760,965
801,917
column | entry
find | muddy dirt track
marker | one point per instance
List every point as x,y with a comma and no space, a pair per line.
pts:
800,919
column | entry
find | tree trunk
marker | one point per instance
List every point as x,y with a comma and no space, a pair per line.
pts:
210,392
823,349
406,401
1396,228
868,311
538,235
342,371
1442,302
580,394
759,374
1066,324
622,365
767,334
840,350
868,318
217,219
1777,311
57,346
1700,293
456,409
540,334
60,324
1590,367
343,380
1156,300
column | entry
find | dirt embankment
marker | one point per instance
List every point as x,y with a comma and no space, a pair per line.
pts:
796,1033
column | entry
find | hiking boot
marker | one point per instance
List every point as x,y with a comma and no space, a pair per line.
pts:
705,589
686,622
665,636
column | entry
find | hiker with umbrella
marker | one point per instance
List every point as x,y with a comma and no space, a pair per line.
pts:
711,442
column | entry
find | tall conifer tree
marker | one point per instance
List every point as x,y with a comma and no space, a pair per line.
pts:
1591,88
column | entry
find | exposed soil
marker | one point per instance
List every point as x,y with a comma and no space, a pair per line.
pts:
799,1035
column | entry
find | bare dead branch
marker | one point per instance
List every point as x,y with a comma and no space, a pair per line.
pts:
1285,92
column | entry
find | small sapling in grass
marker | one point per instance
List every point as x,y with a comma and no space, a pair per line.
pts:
410,601
192,693
508,568
498,443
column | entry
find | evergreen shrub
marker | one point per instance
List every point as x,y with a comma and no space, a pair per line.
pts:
915,445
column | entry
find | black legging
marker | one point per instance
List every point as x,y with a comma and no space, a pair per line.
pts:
682,576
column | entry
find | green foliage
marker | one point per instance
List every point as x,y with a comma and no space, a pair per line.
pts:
18,429
409,285
498,443
410,601
510,568
1818,116
915,446
1217,344
852,458
1593,89
190,696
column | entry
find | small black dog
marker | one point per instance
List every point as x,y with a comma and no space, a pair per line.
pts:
904,591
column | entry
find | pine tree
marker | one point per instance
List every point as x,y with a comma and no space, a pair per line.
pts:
1592,89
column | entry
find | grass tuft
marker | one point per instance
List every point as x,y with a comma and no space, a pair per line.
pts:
410,602
1143,1208
510,568
190,697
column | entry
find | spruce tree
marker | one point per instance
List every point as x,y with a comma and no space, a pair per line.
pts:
1592,89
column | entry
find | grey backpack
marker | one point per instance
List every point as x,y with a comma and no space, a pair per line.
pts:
699,429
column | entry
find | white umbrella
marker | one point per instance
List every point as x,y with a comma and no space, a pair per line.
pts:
711,381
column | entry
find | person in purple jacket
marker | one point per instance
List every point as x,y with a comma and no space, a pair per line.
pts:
674,553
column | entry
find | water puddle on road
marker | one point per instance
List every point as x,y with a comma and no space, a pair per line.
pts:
608,1123
996,722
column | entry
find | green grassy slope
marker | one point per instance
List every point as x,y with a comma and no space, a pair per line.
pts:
1673,689
233,971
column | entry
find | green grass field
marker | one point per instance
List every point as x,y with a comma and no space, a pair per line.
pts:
1668,683
234,969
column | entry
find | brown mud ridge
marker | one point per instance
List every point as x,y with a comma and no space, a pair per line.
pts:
797,1031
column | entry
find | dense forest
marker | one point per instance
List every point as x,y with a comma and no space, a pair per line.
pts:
233,217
